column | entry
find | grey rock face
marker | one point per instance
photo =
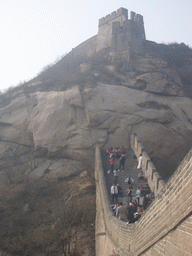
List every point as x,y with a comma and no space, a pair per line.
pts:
69,124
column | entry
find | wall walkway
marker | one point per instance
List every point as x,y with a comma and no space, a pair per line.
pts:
165,228
129,171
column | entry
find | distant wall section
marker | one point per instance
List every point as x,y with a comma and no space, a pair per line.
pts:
80,53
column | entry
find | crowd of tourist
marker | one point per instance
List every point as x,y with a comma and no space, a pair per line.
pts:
137,202
116,153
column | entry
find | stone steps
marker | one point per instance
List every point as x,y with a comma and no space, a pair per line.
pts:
130,163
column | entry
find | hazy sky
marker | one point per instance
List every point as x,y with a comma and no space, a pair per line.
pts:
34,33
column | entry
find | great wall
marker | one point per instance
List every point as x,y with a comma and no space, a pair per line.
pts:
115,32
165,228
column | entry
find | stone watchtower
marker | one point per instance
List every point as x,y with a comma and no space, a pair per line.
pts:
120,33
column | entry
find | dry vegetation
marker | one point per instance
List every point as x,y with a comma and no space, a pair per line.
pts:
48,218
66,72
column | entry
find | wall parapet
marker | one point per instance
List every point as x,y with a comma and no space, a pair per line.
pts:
171,207
113,15
121,11
119,234
155,181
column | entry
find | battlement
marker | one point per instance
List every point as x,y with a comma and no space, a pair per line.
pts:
120,12
136,17
119,33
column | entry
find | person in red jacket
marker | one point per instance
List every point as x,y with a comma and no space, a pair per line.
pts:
112,162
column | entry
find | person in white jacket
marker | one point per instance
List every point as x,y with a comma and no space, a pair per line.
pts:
139,162
114,192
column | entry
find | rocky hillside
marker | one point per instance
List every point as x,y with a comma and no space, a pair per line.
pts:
51,125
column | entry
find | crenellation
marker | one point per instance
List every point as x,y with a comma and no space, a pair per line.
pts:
154,179
113,15
138,18
101,21
140,147
132,15
145,160
127,35
122,11
161,185
107,17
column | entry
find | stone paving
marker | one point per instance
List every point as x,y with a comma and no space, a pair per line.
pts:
130,170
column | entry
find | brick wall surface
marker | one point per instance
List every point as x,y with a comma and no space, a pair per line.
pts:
166,226
177,242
